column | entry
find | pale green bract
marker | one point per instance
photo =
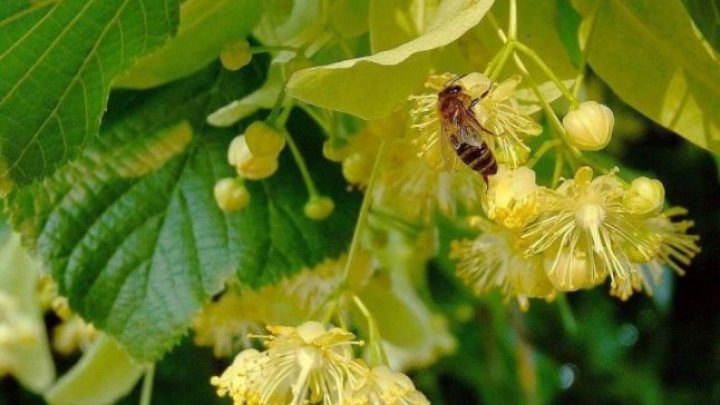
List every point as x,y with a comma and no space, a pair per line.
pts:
370,87
655,60
19,273
205,27
104,374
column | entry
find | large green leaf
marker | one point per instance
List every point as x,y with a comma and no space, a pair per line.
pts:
58,59
205,27
370,87
706,15
133,234
652,56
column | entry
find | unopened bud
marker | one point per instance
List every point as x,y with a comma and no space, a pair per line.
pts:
357,168
319,207
231,194
264,140
590,126
247,164
645,196
236,55
334,153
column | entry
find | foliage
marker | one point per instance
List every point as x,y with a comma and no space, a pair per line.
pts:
117,120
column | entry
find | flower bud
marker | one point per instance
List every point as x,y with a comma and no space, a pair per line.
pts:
511,197
357,168
236,55
590,126
319,207
334,153
264,140
248,165
231,194
645,197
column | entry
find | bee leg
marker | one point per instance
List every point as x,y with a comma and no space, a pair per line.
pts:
474,102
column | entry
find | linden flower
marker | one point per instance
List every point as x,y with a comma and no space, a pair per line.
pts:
494,260
675,248
303,364
413,189
495,110
74,333
512,197
225,324
587,231
382,386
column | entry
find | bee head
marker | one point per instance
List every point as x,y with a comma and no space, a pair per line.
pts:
451,91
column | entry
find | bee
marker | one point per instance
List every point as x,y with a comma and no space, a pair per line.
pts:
461,129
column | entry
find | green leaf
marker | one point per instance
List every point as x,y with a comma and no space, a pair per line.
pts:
652,56
32,362
58,59
205,27
104,374
370,87
706,15
133,234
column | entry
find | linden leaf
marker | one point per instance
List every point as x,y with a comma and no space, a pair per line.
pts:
131,229
370,87
633,48
205,27
58,60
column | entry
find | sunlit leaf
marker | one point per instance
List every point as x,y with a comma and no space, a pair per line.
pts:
666,72
370,87
58,60
205,27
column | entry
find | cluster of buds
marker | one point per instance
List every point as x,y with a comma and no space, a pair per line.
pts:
254,155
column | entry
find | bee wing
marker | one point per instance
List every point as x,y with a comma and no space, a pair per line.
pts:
471,132
448,144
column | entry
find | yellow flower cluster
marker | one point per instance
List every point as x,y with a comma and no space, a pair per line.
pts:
311,364
579,234
225,324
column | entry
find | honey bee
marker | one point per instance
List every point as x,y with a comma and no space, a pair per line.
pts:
461,129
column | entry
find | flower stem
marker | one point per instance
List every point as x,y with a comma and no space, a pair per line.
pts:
544,148
364,210
147,386
512,23
377,351
566,314
304,172
584,50
529,52
274,48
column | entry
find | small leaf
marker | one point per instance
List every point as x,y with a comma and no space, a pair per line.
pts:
370,87
58,60
205,27
104,374
132,231
652,56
